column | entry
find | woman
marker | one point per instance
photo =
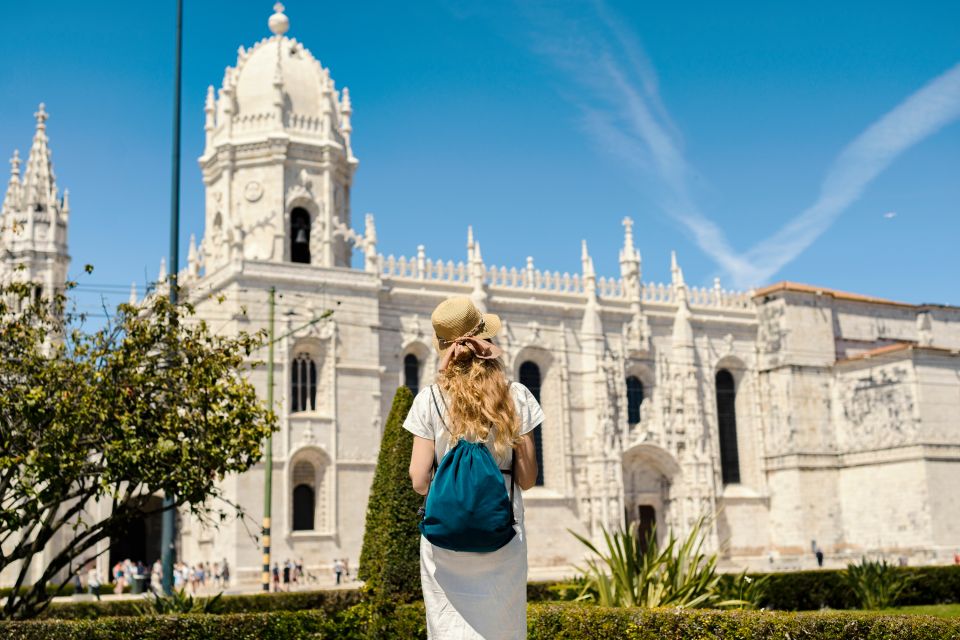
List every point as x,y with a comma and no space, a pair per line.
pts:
474,595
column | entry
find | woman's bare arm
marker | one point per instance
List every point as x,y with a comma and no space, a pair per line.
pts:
421,464
526,457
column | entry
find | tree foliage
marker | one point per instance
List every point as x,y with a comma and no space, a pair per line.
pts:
93,423
390,558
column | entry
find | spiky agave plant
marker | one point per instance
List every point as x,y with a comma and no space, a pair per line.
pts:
645,574
178,602
876,584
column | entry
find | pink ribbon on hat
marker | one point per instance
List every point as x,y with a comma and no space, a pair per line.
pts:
483,349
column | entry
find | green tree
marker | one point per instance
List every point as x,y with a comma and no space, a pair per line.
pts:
93,423
390,558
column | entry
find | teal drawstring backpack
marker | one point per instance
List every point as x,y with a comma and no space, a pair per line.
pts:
467,508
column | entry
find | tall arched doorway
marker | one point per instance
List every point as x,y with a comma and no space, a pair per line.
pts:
648,474
140,541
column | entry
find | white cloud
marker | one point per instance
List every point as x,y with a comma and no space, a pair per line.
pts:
619,97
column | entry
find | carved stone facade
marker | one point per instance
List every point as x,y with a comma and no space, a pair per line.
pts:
826,393
789,415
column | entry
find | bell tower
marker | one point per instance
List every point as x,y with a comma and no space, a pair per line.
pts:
33,240
277,163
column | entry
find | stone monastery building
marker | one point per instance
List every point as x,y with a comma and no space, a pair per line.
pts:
796,415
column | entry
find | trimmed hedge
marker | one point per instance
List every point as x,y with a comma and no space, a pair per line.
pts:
329,602
798,591
585,622
301,625
390,557
812,590
68,590
544,622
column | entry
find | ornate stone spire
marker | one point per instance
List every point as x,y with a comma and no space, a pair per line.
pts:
591,325
210,123
39,181
637,331
346,110
133,294
12,200
682,328
629,256
371,261
476,272
193,259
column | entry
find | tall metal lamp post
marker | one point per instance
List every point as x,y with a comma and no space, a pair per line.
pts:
272,339
169,513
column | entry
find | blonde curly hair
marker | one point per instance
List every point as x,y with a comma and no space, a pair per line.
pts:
478,401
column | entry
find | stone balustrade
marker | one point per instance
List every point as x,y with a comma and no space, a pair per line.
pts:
420,267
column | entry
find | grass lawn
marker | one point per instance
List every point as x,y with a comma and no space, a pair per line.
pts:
938,610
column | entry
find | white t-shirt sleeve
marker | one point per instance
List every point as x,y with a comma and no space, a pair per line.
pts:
418,421
531,414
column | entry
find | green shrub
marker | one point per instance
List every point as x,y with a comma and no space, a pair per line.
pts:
569,622
329,602
377,619
301,625
66,590
390,558
806,591
566,621
931,585
812,590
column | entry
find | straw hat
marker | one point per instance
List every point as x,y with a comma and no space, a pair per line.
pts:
458,317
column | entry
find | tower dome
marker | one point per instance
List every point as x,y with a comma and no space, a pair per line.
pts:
304,82
278,84
277,163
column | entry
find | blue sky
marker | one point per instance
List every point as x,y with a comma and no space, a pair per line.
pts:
762,141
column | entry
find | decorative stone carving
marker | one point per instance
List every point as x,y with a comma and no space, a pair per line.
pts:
300,190
411,329
878,408
253,191
771,329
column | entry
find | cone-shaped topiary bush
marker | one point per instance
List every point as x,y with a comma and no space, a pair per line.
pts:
390,558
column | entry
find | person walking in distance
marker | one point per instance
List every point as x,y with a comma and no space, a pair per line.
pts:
93,579
338,569
473,445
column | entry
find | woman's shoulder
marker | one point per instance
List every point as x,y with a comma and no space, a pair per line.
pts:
520,391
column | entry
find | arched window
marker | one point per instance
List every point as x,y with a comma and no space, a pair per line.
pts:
303,384
727,422
530,378
411,373
304,496
300,236
634,398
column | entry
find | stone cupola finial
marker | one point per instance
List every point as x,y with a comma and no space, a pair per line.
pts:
279,23
41,116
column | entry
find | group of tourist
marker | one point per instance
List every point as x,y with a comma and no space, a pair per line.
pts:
125,573
195,576
289,575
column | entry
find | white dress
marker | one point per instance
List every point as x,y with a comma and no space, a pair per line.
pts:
474,595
